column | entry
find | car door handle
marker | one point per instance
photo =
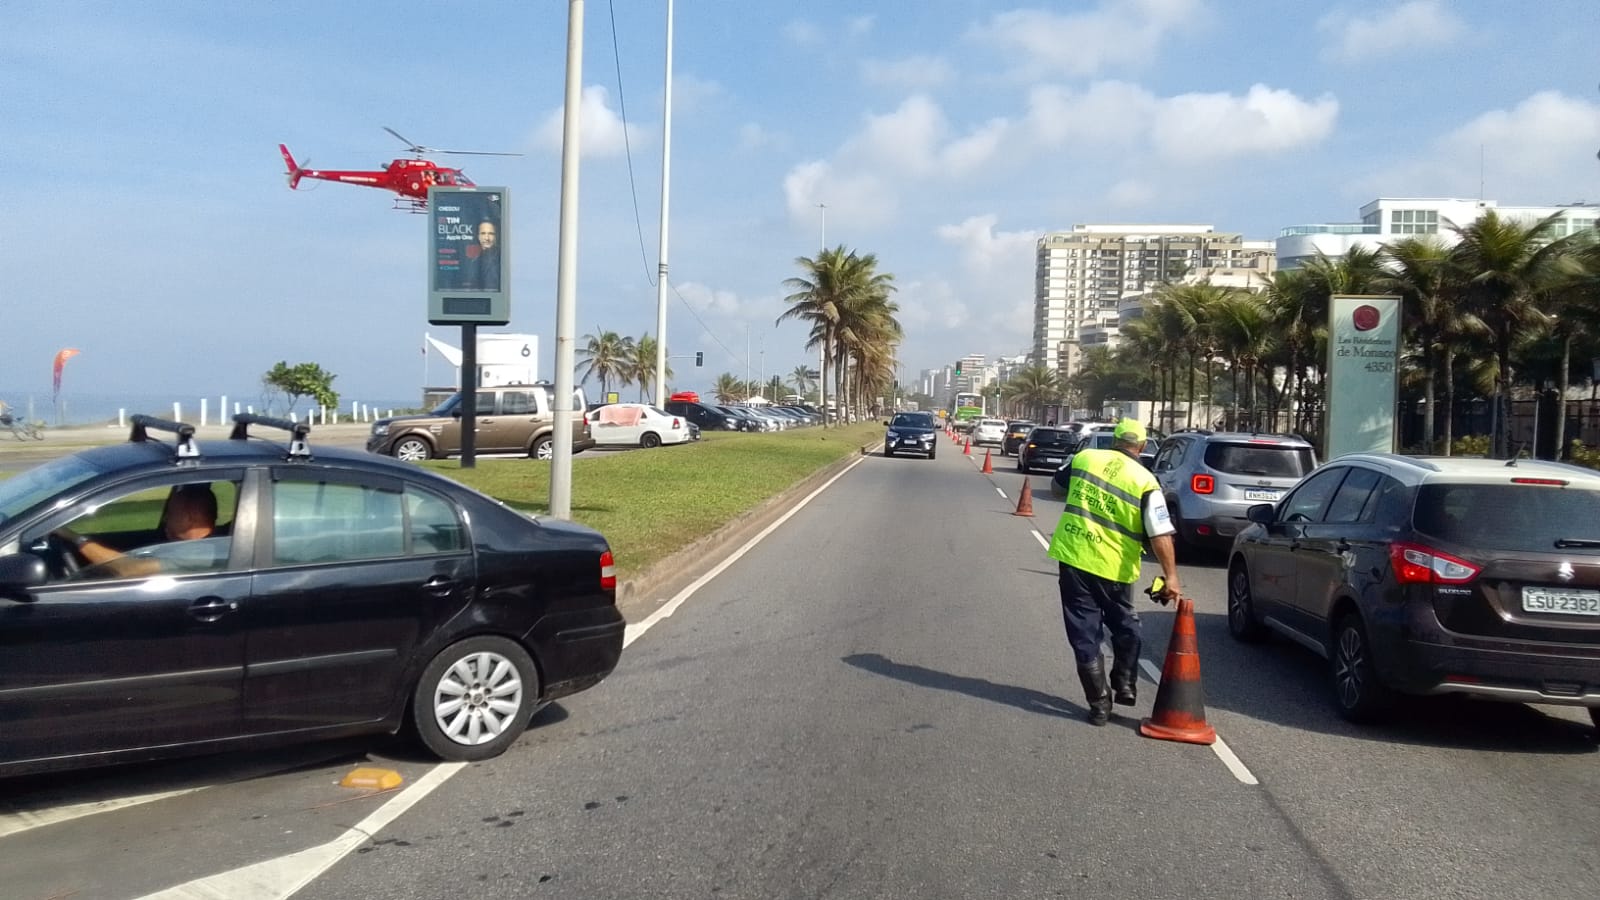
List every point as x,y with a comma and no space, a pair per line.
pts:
1344,546
210,609
439,585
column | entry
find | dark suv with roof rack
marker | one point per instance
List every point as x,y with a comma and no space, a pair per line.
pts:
330,592
1212,478
1431,576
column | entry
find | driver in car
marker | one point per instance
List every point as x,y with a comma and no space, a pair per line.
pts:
190,515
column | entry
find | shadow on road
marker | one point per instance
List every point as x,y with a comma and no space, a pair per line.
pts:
1022,698
1286,684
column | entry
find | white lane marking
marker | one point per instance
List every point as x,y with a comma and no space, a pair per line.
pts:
1221,748
278,879
15,818
1043,541
1002,494
633,632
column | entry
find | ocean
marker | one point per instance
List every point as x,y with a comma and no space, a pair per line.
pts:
75,408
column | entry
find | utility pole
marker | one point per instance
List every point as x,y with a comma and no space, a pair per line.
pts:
567,273
661,264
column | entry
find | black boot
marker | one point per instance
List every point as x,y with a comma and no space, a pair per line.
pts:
1125,669
1096,692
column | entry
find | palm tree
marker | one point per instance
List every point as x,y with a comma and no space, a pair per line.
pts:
775,388
1032,388
1247,333
1577,300
640,365
1420,276
606,356
836,294
1506,268
803,377
729,389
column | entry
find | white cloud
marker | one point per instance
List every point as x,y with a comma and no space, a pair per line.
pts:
1118,33
754,137
911,72
984,251
1536,153
690,92
931,304
600,131
704,299
1202,127
1113,116
1408,27
853,200
859,26
1131,193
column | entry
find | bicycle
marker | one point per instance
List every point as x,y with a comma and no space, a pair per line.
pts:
21,430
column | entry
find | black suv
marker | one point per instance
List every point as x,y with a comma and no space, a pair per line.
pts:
708,418
1431,576
1045,448
911,432
161,598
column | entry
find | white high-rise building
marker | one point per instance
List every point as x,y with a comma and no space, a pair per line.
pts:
1389,219
1082,274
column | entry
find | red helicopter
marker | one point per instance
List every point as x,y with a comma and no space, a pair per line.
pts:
410,178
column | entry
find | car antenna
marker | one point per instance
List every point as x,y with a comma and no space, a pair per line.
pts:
298,448
183,434
1512,462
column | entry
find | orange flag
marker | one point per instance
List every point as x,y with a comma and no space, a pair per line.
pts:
61,361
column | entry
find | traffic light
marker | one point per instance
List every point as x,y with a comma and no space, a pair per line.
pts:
699,358
958,368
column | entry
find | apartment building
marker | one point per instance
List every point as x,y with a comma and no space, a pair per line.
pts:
1081,275
1389,219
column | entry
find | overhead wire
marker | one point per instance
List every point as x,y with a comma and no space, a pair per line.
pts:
627,147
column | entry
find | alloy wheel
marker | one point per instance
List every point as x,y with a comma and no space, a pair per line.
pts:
477,698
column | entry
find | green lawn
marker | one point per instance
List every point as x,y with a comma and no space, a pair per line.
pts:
652,503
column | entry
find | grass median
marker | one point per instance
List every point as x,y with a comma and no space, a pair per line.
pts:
652,503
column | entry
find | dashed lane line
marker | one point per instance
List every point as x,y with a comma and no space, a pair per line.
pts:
1221,748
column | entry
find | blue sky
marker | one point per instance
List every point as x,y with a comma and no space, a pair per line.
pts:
148,222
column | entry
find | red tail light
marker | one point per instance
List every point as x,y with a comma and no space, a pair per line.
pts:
1553,482
676,424
608,572
1417,564
1202,484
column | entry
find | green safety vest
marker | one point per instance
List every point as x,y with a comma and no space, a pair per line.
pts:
1102,529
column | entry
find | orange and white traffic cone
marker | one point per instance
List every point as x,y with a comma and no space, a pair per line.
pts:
967,450
1180,711
988,468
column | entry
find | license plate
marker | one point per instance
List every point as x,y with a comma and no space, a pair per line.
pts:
1263,495
1050,459
1563,601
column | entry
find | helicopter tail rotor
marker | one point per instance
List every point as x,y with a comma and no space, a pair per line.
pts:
294,171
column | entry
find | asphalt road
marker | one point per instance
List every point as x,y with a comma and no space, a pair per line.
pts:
875,701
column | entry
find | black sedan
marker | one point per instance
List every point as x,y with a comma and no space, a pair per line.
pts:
169,597
1016,434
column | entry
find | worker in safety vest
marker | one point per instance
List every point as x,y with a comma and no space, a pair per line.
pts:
1114,506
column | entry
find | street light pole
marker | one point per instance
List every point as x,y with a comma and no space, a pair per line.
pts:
567,273
661,265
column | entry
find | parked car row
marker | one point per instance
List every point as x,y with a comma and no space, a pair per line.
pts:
727,417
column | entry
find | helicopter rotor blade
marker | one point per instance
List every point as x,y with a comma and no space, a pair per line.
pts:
414,148
470,152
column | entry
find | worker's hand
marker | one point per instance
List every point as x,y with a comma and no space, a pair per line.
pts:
1171,592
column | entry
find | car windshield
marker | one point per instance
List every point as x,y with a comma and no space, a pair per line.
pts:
1264,460
908,420
1511,517
34,486
1044,435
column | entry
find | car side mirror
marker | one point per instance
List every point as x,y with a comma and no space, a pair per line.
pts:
20,571
1261,513
885,421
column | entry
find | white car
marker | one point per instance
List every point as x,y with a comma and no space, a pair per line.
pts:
989,431
635,425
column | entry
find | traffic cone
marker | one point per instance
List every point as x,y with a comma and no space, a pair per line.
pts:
1025,502
1180,711
988,468
967,450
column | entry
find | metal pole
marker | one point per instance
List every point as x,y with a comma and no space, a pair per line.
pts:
469,396
567,272
661,265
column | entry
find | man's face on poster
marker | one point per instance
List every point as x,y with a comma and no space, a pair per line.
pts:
486,235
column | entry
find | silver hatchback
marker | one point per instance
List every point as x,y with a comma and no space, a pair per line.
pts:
1211,479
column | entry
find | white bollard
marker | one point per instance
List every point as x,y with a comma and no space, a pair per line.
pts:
203,411
222,411
177,412
236,407
122,418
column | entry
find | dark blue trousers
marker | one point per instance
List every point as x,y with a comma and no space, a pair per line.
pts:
1087,603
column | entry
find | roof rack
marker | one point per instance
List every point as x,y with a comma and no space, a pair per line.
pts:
298,448
183,434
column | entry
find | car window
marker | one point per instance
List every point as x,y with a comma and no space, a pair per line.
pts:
1307,501
1263,460
517,403
40,483
1509,516
435,526
1389,505
1351,500
909,420
334,522
134,524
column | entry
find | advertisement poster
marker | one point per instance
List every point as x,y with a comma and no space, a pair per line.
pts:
467,238
1363,359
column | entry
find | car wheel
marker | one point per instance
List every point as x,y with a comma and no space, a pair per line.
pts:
1242,622
1357,692
887,452
931,453
649,439
413,449
543,448
475,699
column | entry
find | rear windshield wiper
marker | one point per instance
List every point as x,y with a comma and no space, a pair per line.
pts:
1564,543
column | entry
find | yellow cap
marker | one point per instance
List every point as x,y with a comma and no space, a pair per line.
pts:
1129,430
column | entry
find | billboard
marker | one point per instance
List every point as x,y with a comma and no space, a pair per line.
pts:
1363,383
469,272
